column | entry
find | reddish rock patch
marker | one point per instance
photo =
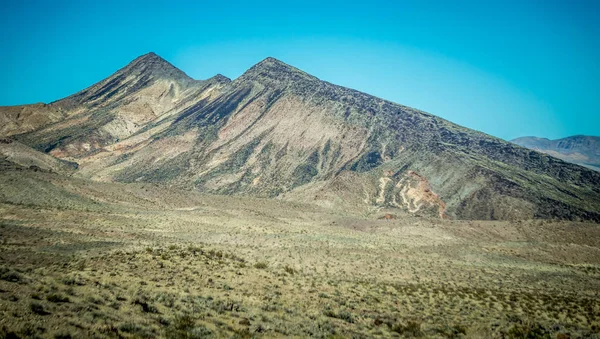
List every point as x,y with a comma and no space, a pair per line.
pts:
417,193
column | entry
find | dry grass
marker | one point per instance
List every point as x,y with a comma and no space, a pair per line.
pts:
184,265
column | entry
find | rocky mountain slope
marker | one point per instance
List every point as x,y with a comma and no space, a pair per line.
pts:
26,118
16,156
281,133
578,149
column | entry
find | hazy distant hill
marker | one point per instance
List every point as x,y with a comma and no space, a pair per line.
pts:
578,149
279,132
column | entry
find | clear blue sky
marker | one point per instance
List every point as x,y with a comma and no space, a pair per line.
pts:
508,68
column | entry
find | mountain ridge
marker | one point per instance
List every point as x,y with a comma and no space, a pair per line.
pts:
583,150
279,132
120,105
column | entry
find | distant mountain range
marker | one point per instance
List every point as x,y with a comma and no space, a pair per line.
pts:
578,149
278,132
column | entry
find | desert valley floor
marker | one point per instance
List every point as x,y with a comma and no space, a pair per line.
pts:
87,259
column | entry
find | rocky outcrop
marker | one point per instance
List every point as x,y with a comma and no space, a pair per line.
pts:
416,194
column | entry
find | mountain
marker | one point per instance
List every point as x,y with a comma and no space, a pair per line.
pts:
579,149
279,132
142,83
147,90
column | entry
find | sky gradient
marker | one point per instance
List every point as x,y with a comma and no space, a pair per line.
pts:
507,68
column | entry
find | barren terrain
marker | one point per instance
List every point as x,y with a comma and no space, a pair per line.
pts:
90,259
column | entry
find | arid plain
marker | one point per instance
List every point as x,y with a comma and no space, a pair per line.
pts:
90,259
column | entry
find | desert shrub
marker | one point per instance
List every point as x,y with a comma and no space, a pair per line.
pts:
80,265
184,326
267,307
94,300
289,270
57,298
343,315
137,330
167,299
456,331
38,308
10,275
195,250
63,335
221,306
261,265
8,334
212,254
527,330
183,322
74,280
26,330
411,329
146,307
110,330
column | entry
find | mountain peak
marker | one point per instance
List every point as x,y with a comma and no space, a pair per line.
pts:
271,60
152,64
148,56
272,64
220,78
271,69
151,54
141,72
